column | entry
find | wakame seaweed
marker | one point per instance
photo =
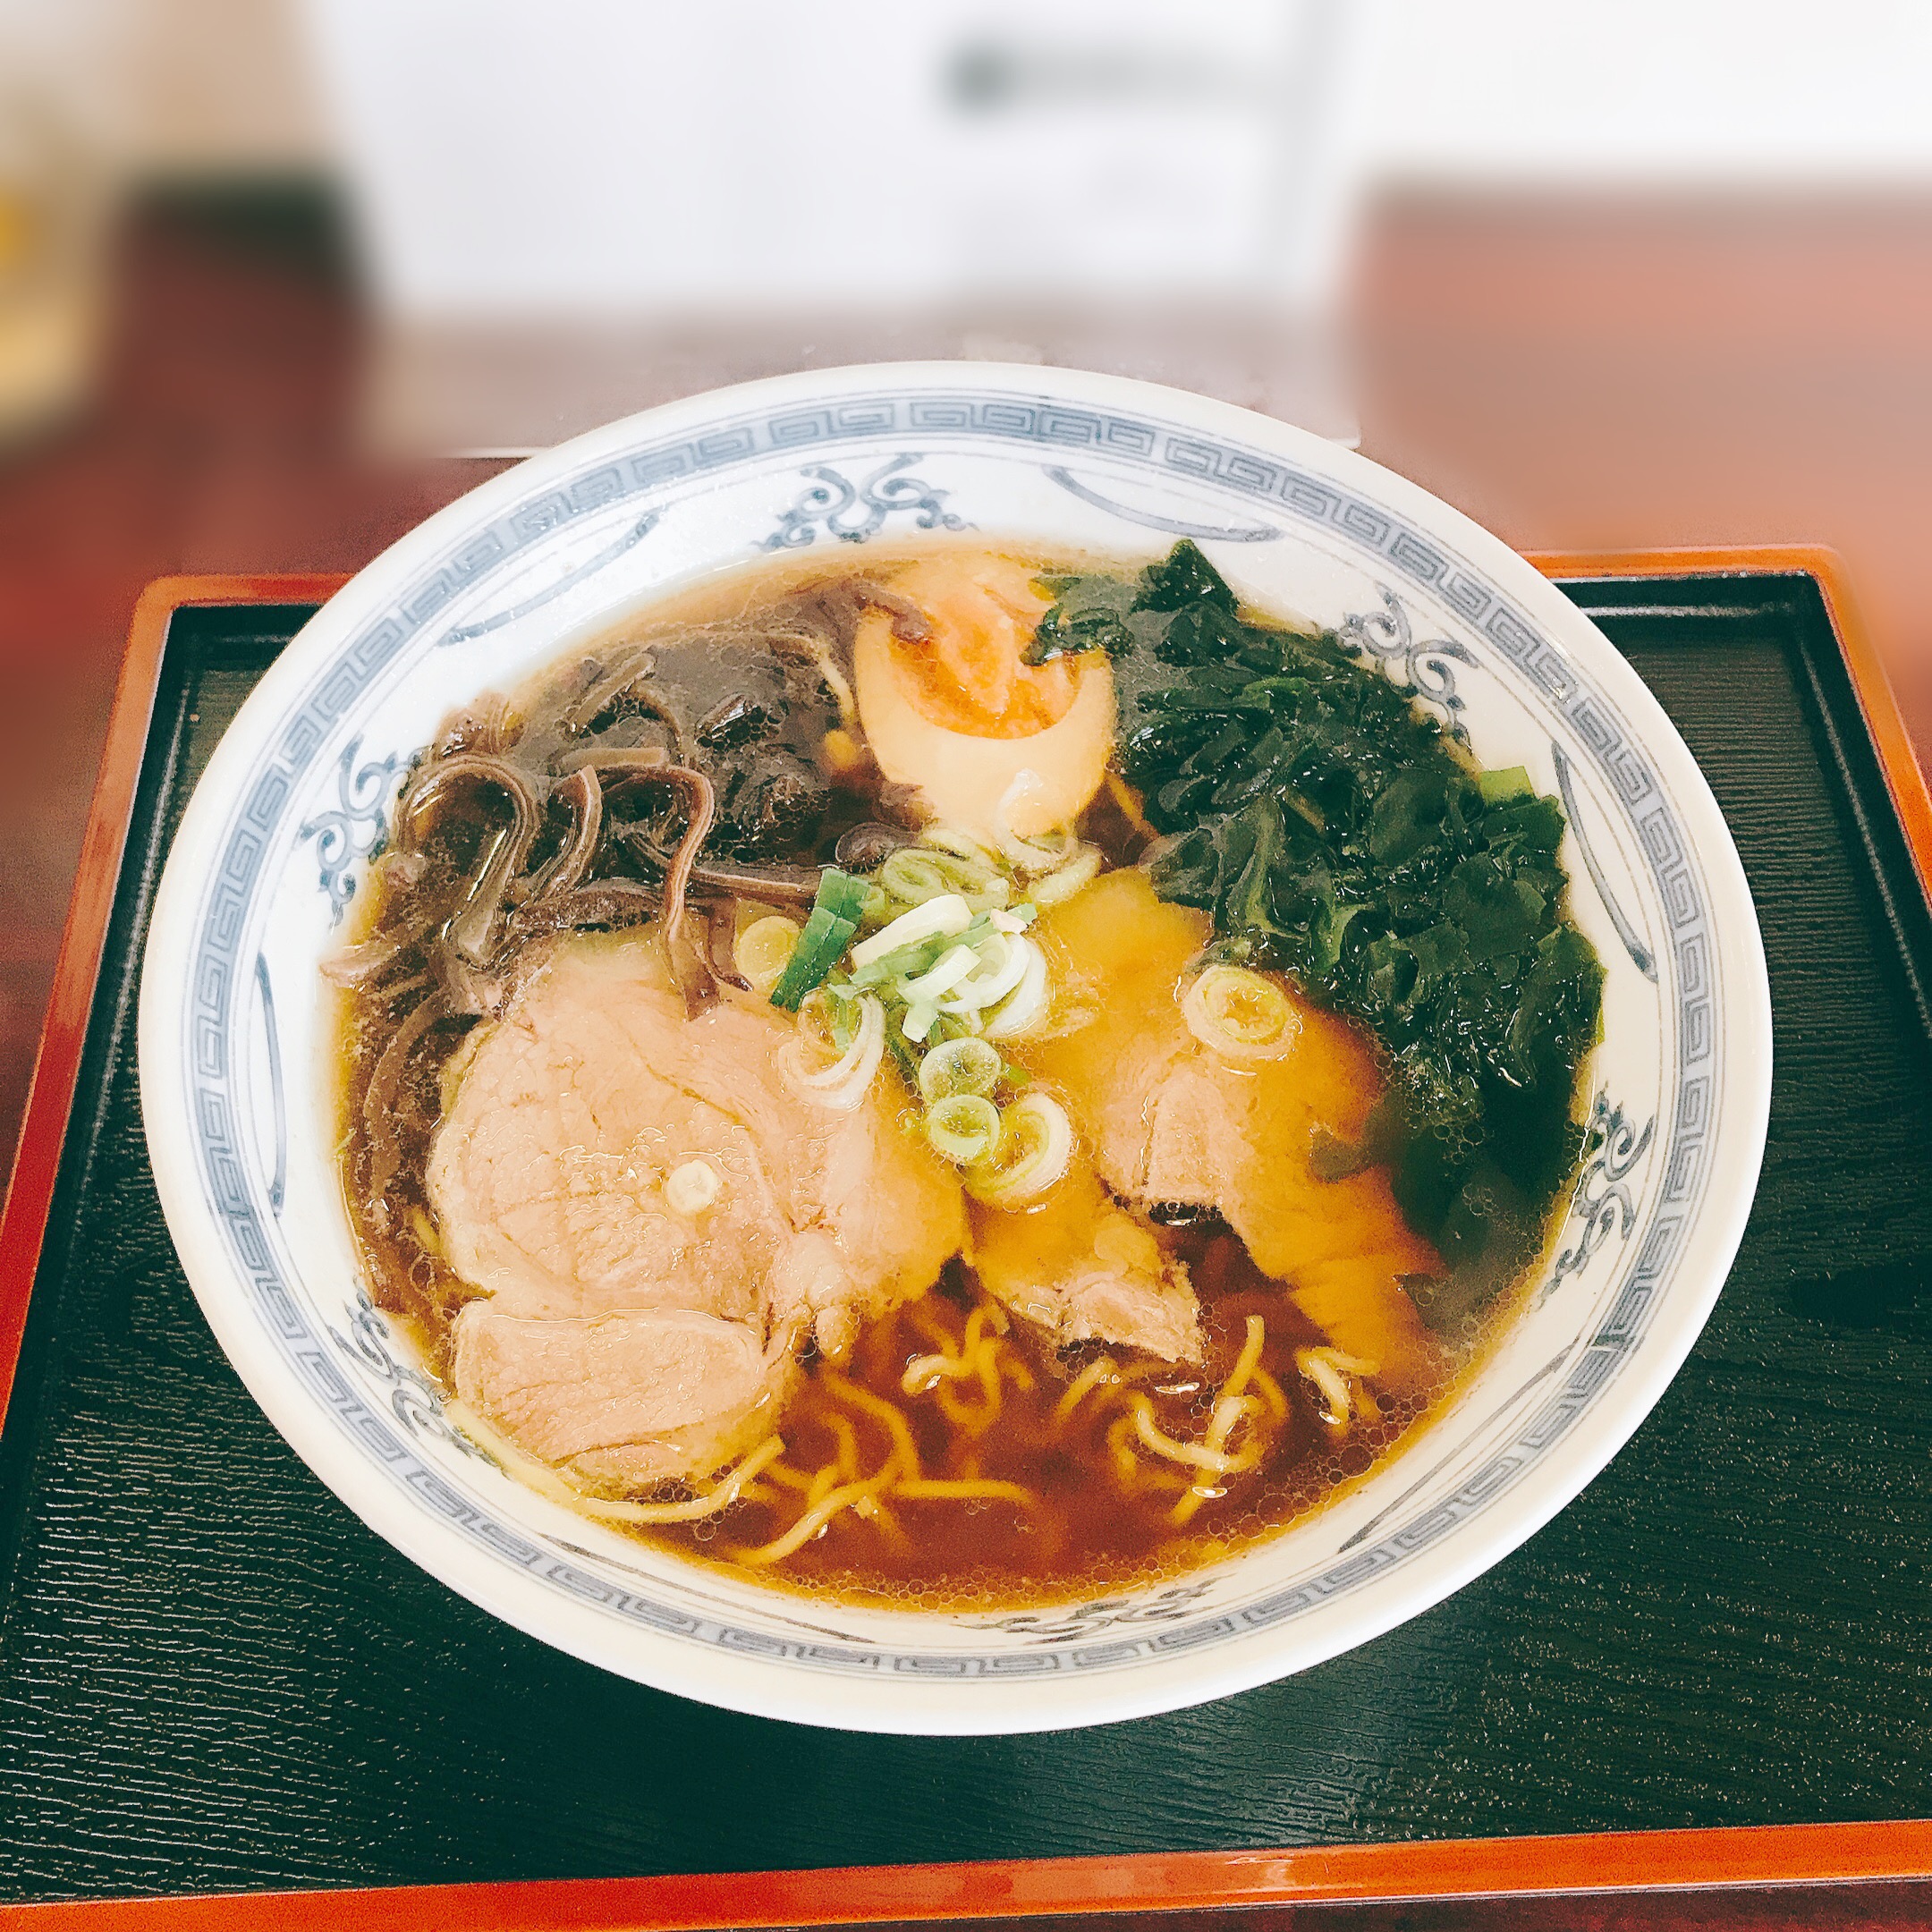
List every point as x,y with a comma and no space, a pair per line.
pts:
1331,833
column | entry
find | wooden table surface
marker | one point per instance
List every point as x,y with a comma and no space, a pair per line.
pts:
1577,376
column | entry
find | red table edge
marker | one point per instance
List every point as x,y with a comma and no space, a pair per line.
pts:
1727,1856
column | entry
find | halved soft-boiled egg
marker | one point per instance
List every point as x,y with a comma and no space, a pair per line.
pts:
996,745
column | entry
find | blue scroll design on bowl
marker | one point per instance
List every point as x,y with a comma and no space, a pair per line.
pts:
1641,956
1602,1195
1418,664
277,1097
415,1400
853,512
355,828
608,555
1154,519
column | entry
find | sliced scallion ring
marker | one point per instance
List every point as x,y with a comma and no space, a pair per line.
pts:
1079,872
1033,1151
692,1188
828,1021
763,948
1000,966
1024,1006
1240,1014
964,1127
950,970
947,913
961,845
913,876
902,962
845,1084
959,1066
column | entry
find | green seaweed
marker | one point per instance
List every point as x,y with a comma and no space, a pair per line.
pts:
1332,832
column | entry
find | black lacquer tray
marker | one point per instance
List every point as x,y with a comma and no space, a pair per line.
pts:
213,1678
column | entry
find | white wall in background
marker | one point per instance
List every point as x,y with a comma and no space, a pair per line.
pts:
1510,91
1777,93
619,154
626,153
673,165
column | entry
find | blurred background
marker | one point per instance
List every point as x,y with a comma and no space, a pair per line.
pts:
279,277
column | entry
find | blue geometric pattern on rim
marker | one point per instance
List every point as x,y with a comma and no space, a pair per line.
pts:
969,416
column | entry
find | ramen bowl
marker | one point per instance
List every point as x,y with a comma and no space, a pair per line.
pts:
237,1087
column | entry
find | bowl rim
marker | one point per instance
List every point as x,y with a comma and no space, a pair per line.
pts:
1183,1677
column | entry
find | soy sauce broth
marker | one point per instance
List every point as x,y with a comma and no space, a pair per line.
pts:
1085,1528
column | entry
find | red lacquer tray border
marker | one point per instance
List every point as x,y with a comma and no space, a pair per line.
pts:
63,1031
1737,1857
1085,1889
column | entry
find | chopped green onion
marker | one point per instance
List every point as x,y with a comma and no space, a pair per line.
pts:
832,1014
952,972
946,914
1034,1150
999,965
921,955
903,962
950,838
842,895
1021,1008
1240,1015
763,949
959,1066
1499,787
917,875
845,1084
953,967
913,876
820,945
964,1127
834,918
1078,873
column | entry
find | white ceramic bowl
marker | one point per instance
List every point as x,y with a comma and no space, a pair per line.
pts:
277,834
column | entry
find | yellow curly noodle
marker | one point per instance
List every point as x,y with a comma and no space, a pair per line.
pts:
1343,1382
981,1355
1135,1434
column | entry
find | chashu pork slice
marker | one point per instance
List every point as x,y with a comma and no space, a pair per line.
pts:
1166,1120
628,1398
550,1177
1084,1269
